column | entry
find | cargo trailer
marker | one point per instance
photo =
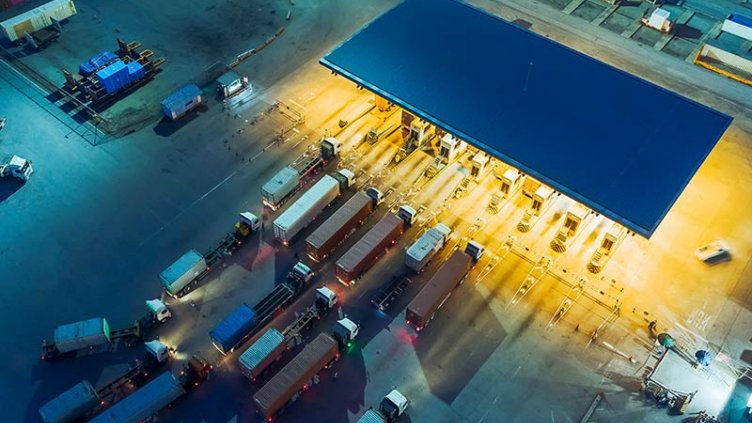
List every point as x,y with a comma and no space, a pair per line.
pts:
280,187
296,375
267,349
438,289
144,402
364,254
303,211
182,101
339,226
33,16
422,250
183,271
71,405
81,335
233,328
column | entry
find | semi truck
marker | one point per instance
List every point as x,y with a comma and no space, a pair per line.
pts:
82,400
270,346
438,289
301,373
148,400
237,327
286,182
303,211
342,223
423,250
364,254
70,339
390,409
183,275
16,167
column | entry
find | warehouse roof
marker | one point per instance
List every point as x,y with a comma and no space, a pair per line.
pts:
620,145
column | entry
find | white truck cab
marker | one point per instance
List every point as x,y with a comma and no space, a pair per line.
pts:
326,299
408,214
474,250
157,351
376,195
247,224
393,405
16,167
159,310
330,147
302,272
345,177
345,331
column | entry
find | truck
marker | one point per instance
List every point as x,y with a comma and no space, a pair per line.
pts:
364,254
342,224
90,334
270,346
438,289
299,374
162,391
183,275
34,16
286,182
237,327
303,211
82,400
389,292
181,102
390,409
423,250
16,167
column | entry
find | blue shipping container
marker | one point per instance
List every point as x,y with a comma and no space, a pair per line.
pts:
136,71
181,101
111,77
145,402
70,405
230,331
97,61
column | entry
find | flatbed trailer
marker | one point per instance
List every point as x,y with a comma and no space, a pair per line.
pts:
388,293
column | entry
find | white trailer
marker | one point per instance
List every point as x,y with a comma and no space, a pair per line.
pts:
284,183
302,212
183,271
38,16
422,250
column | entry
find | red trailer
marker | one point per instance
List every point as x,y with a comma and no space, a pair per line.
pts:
339,226
295,377
364,254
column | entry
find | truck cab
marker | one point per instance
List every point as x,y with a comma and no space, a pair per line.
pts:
326,299
345,331
247,224
330,147
159,310
301,274
194,372
474,250
408,214
17,167
345,178
393,405
157,352
376,195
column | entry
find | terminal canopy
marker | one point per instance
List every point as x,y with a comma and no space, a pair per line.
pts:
620,145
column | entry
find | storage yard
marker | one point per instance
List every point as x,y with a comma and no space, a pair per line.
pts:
309,251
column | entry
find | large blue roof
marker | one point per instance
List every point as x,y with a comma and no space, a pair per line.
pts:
618,144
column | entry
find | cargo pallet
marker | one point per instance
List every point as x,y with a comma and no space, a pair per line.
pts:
92,90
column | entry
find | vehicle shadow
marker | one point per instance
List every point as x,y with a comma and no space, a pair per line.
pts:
167,127
8,188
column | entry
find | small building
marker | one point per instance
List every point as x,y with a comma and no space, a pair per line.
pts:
231,83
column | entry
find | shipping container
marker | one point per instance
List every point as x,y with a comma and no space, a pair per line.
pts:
302,212
438,289
136,71
280,187
422,250
145,402
183,271
71,405
339,226
233,328
111,77
296,375
97,61
181,101
364,254
371,416
33,16
267,348
80,335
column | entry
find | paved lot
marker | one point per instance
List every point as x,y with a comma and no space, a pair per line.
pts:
97,224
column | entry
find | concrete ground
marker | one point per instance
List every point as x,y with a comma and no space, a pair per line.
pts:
484,358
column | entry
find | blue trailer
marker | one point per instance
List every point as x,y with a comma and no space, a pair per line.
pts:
71,405
182,101
233,329
145,402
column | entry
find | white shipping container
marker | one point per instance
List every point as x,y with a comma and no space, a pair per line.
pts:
280,186
37,18
302,212
422,250
80,335
738,26
183,271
